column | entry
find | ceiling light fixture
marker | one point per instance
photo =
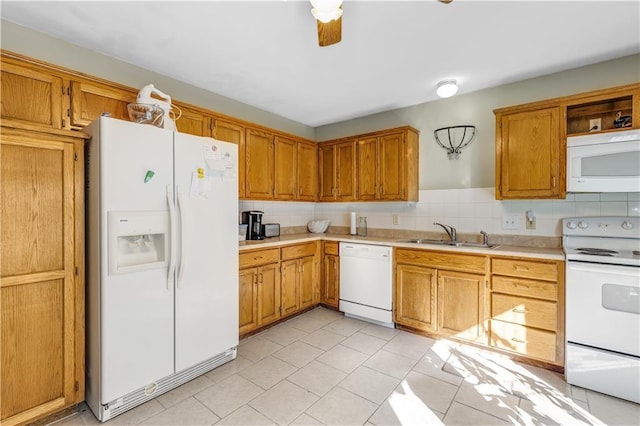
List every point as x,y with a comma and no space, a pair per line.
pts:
447,88
326,10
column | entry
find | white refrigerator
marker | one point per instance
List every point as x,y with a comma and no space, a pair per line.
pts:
162,261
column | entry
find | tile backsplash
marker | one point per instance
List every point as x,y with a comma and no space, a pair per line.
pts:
470,210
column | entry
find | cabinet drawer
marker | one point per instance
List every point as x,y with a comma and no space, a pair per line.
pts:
524,340
525,311
522,287
464,262
538,270
300,250
331,248
260,257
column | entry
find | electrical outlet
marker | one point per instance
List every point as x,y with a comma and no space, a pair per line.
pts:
509,222
395,219
595,125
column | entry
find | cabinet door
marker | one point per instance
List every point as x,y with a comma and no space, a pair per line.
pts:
392,182
248,286
90,100
232,132
368,169
38,294
259,164
346,171
35,97
193,122
528,155
307,281
415,297
268,293
290,286
331,280
327,175
461,305
307,171
286,162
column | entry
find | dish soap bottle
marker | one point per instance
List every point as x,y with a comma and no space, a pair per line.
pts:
362,226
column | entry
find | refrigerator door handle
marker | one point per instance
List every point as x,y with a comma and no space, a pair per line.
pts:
172,236
183,236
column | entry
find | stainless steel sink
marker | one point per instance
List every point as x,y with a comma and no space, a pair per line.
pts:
450,243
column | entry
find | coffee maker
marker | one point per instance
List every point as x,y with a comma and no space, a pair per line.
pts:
253,219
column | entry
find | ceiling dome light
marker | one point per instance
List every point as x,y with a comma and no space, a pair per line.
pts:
447,88
326,10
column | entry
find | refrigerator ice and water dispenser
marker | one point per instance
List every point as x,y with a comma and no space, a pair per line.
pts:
138,241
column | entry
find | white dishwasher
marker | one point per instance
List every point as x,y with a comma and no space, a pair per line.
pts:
366,282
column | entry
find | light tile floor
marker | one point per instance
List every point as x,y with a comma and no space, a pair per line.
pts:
323,368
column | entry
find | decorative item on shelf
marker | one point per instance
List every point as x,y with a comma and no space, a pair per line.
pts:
622,120
456,137
318,226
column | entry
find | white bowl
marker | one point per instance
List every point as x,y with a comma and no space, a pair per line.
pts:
318,226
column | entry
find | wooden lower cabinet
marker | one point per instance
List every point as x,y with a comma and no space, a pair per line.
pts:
300,277
330,287
42,270
527,307
415,297
435,294
285,281
259,289
461,305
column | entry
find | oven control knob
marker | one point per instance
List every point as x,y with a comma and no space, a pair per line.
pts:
583,225
627,225
572,225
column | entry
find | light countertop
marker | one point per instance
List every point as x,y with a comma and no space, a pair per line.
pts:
500,250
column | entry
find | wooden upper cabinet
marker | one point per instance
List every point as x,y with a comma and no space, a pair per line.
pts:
392,165
346,171
259,164
368,176
31,96
307,171
528,154
326,172
89,100
286,164
193,122
383,166
228,131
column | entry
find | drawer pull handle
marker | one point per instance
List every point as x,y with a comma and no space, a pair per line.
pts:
515,339
261,278
521,286
519,311
521,268
257,257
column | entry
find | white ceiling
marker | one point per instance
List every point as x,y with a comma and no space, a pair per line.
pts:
392,54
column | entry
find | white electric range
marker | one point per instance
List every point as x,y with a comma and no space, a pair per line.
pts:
603,304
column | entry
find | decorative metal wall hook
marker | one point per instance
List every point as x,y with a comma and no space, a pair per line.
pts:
456,137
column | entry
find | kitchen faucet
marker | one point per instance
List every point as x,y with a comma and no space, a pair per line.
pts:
450,230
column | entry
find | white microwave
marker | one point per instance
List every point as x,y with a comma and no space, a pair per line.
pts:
604,162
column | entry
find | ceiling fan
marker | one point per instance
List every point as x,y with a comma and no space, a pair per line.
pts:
328,14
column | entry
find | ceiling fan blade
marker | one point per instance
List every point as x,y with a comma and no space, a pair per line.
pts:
329,33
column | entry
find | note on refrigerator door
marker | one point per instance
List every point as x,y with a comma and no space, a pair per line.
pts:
200,185
219,163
